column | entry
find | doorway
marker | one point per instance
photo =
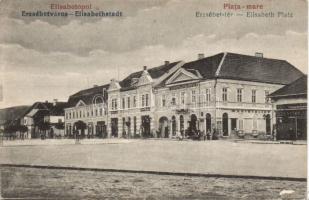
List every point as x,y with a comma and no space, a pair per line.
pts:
146,126
208,122
225,125
114,127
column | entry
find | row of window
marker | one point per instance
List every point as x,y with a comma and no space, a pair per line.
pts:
126,102
240,95
207,97
82,114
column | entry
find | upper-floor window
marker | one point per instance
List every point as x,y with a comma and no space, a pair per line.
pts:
87,113
114,104
193,96
101,112
253,96
123,103
134,101
128,102
66,115
91,113
96,112
163,100
143,100
147,100
70,116
207,95
80,114
266,96
224,94
73,115
239,95
182,98
173,102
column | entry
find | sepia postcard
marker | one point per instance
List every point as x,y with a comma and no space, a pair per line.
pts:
153,99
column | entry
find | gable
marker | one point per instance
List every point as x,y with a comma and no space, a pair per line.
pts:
145,79
80,103
182,75
114,85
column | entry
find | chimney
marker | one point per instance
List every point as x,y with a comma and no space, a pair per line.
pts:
145,68
166,62
55,102
95,86
258,55
200,56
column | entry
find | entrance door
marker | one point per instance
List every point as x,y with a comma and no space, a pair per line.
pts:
225,125
268,130
173,125
233,124
163,127
114,127
145,126
182,129
208,122
192,130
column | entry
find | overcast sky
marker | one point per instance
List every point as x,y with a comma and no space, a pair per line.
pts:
42,58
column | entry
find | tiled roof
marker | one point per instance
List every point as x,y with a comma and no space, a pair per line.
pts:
207,67
87,95
155,73
244,67
58,109
298,87
252,68
55,110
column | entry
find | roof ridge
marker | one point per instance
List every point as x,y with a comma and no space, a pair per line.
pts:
220,64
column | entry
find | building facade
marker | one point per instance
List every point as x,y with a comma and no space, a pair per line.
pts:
44,115
87,109
290,110
226,93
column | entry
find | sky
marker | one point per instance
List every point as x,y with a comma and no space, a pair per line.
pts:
46,58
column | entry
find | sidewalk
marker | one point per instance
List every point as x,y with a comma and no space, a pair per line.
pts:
297,142
29,142
34,142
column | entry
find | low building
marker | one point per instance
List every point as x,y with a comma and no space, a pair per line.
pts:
50,113
290,110
88,109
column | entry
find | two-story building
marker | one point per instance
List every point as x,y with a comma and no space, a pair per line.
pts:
226,93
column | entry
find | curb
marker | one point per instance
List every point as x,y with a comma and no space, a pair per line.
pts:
155,172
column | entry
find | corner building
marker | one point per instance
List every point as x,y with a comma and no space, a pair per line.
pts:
226,92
